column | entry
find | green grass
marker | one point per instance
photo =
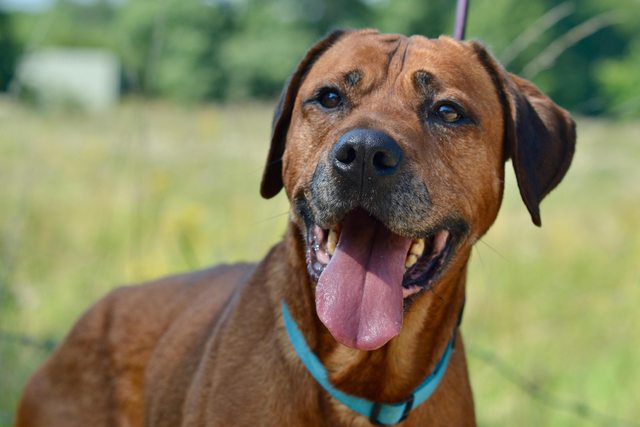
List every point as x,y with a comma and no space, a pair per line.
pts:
89,202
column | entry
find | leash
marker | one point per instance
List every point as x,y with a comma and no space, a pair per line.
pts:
377,412
461,19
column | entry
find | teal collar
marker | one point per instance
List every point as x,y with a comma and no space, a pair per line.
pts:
378,413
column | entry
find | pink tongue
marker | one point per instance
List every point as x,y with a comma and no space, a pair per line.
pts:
359,294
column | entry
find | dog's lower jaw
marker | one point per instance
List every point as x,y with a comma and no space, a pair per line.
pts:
388,374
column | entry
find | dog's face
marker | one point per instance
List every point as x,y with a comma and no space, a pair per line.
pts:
392,152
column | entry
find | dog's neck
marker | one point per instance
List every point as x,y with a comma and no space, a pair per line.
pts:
392,372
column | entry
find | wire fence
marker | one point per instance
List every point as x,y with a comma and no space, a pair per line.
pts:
534,392
500,366
24,340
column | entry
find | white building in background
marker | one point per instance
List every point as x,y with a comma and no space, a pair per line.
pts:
87,78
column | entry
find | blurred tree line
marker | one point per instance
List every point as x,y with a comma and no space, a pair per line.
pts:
585,54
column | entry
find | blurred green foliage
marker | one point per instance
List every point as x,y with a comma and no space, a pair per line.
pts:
8,51
195,50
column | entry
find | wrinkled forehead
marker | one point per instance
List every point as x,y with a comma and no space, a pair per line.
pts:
376,60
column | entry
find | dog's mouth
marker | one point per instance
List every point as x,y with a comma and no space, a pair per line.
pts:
424,260
365,272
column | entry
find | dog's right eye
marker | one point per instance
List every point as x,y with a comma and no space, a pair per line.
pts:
329,98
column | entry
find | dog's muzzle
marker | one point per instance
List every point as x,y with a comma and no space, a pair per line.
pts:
367,168
368,248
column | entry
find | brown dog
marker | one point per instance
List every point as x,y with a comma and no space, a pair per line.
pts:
391,151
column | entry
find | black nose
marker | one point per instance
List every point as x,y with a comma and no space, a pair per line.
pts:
366,156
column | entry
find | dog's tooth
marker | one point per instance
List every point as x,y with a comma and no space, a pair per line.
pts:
440,241
332,242
338,229
417,247
410,261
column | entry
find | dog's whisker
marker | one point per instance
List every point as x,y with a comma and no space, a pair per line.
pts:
271,218
477,251
494,250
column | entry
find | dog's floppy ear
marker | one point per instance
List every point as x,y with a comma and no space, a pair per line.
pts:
272,175
540,136
543,143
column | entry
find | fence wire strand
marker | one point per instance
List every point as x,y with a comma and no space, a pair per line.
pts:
532,390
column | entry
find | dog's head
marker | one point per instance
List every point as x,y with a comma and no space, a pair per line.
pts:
392,152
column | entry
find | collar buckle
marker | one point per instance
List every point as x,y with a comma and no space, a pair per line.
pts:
377,407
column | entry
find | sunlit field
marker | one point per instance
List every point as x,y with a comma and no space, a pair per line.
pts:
91,202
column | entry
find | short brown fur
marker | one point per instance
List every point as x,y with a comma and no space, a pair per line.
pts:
209,348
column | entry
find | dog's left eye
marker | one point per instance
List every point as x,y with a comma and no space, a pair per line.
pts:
329,98
448,113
